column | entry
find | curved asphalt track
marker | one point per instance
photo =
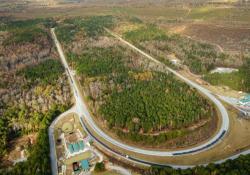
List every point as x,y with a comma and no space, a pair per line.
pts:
84,113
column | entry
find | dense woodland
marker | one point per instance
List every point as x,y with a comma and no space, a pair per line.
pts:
44,73
161,102
21,32
91,27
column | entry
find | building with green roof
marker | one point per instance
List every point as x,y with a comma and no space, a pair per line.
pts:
245,101
81,145
76,147
85,165
71,149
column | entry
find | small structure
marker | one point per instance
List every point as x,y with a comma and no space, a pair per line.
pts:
85,165
223,70
175,61
244,105
76,168
245,101
76,147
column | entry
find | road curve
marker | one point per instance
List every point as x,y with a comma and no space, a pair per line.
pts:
53,158
84,113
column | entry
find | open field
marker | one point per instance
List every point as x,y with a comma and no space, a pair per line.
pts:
72,119
231,39
16,146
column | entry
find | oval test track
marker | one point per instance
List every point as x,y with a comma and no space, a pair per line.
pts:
83,111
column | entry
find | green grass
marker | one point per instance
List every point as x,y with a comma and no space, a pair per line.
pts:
233,80
236,80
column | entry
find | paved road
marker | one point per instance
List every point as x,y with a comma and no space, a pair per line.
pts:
225,120
53,158
84,113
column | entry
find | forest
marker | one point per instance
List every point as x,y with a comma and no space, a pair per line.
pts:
98,61
44,73
165,101
155,105
26,31
90,26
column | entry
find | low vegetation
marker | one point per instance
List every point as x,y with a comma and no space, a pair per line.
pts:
236,80
199,57
99,167
238,166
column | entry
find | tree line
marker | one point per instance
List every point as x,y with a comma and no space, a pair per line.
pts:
239,166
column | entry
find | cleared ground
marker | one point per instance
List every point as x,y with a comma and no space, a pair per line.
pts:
16,146
232,39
